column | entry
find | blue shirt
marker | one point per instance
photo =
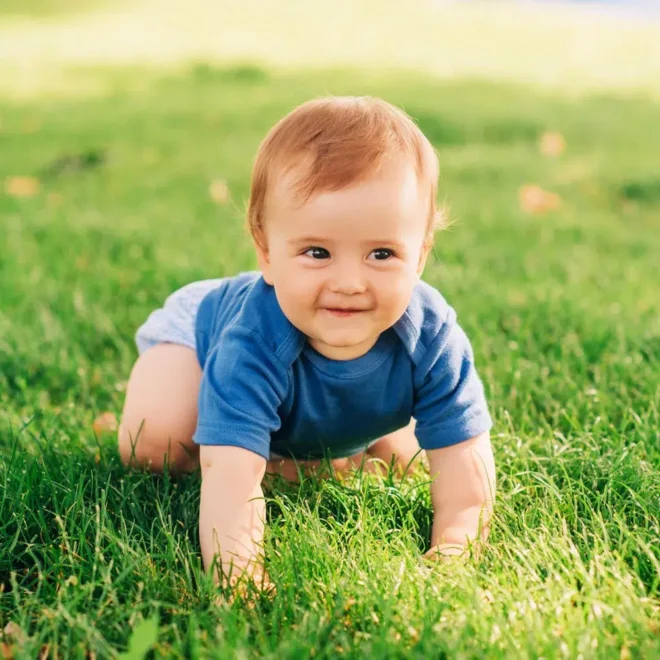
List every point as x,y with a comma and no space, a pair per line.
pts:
266,389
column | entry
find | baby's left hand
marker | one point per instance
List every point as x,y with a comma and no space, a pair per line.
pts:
445,552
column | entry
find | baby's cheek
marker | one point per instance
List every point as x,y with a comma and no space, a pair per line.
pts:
299,297
302,289
398,296
306,284
399,286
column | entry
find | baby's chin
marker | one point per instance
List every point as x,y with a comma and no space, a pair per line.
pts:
342,347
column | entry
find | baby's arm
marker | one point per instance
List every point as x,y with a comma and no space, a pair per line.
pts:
232,511
242,387
462,493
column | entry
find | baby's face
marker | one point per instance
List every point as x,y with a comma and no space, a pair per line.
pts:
344,264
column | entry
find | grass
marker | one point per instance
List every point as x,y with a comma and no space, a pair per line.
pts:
562,309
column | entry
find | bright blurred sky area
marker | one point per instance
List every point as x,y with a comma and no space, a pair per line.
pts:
578,47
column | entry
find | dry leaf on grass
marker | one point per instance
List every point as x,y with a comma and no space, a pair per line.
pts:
14,630
219,191
21,186
552,144
54,199
105,423
12,635
533,199
31,125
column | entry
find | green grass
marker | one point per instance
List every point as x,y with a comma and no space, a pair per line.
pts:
562,310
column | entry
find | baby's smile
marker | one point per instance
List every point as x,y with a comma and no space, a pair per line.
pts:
344,313
344,310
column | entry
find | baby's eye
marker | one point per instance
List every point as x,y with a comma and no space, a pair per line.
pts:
382,254
317,253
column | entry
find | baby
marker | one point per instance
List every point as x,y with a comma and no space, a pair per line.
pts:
335,349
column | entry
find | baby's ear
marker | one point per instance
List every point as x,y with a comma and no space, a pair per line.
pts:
426,248
263,256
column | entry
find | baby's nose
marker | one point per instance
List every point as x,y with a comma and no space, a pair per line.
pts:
348,281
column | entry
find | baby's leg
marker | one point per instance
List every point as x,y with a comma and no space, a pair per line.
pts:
160,415
402,446
290,468
160,411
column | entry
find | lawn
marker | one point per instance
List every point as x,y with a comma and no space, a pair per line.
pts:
106,207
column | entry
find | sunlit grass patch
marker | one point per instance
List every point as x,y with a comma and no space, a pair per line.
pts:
554,46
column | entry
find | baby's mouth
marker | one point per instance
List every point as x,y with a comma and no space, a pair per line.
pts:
344,311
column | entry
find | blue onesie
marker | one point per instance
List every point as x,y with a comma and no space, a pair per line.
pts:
266,389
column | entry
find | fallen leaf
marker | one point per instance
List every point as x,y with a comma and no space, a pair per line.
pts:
54,199
105,423
31,125
533,199
21,186
14,630
552,144
12,634
219,191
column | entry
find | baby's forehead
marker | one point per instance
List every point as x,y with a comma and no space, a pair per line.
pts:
384,207
298,184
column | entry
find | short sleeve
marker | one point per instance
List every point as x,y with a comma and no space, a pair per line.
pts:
450,405
242,388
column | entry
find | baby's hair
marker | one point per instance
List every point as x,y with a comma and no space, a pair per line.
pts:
335,142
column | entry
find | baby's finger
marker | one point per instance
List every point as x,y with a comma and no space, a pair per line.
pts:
445,552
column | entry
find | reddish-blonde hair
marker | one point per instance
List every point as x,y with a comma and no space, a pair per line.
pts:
336,142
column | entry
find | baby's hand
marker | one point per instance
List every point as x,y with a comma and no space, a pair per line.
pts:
445,552
246,587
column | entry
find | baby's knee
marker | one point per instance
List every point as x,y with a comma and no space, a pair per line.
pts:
127,439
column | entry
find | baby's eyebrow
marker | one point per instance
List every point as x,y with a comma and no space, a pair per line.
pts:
307,239
319,240
386,243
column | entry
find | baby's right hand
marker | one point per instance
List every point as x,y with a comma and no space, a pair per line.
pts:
232,511
246,587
